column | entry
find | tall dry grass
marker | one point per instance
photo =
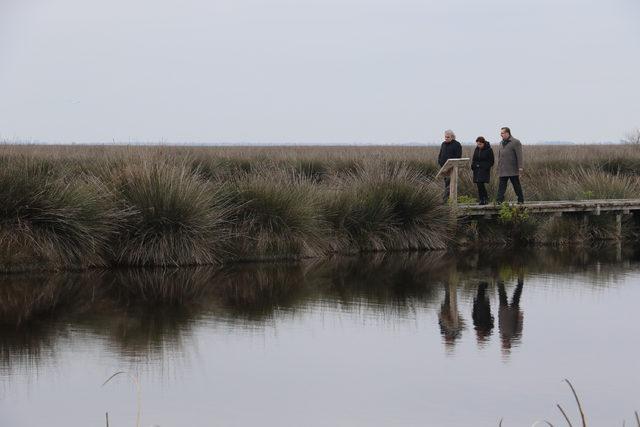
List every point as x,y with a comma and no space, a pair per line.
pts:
84,206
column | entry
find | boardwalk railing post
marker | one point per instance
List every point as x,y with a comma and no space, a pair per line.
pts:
453,188
619,225
450,169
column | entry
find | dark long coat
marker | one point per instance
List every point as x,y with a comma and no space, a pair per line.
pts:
482,162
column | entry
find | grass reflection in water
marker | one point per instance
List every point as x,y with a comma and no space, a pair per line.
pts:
142,310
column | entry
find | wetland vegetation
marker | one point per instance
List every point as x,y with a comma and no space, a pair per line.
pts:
74,207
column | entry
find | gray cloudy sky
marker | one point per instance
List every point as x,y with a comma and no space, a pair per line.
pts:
318,71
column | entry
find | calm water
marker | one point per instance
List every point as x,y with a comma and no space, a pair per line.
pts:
402,340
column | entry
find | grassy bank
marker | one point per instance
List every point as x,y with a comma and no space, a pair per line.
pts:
66,207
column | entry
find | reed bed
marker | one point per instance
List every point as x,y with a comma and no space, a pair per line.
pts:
66,207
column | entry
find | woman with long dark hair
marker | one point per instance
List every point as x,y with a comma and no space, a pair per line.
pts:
481,165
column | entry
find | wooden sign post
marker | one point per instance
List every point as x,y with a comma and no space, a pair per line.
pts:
450,169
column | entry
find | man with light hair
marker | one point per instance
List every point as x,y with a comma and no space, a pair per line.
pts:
450,149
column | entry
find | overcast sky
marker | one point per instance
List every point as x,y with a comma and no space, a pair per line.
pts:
318,71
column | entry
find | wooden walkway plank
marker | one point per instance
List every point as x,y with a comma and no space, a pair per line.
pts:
624,206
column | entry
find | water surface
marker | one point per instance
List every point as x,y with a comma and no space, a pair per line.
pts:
403,339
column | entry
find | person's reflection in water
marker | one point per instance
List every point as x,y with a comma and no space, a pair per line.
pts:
510,316
451,323
481,314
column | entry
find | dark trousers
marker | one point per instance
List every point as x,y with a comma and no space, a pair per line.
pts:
483,197
502,188
447,184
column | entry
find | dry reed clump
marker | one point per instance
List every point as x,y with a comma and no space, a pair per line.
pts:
53,221
345,166
603,185
582,184
386,208
219,168
621,166
275,215
176,217
314,170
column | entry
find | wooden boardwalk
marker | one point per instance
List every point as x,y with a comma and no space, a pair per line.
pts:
591,207
584,208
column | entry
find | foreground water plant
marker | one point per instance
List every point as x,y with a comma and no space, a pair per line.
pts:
583,418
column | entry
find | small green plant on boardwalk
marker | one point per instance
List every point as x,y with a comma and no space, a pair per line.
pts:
515,224
467,200
512,214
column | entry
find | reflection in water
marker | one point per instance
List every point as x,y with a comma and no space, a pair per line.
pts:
510,316
253,292
175,287
145,314
149,313
29,306
482,317
392,286
449,319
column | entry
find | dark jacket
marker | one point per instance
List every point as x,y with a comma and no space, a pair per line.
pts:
449,150
482,162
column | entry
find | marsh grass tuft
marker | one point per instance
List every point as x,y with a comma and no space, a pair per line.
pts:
275,215
392,208
52,220
176,218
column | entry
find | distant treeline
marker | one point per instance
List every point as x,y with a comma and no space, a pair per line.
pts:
66,207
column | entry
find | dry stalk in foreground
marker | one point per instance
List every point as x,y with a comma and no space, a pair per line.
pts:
583,419
138,394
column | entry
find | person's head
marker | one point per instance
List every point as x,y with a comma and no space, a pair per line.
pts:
449,135
481,142
505,133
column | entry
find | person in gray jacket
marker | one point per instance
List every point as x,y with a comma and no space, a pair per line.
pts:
510,165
